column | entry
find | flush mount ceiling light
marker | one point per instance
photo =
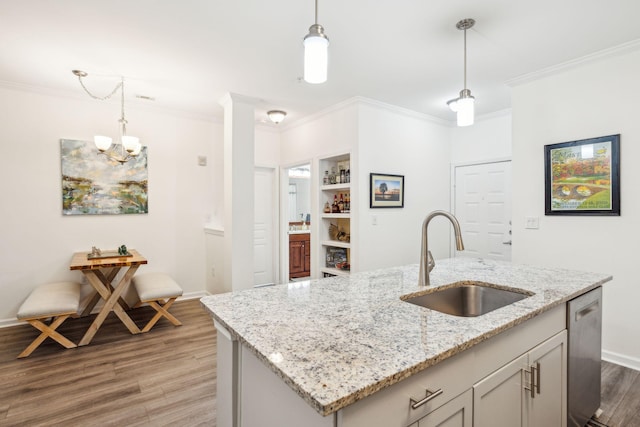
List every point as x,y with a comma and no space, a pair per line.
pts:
276,116
316,47
129,146
464,104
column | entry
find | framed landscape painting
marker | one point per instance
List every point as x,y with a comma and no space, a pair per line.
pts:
583,177
386,191
92,184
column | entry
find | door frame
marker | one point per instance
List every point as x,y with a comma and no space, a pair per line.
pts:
452,191
284,220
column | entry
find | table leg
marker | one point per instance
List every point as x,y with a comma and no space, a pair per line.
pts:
103,287
96,295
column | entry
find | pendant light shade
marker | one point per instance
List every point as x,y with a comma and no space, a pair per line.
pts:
465,108
316,53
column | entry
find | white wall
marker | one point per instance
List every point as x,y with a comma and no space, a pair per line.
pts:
595,99
393,141
488,139
38,241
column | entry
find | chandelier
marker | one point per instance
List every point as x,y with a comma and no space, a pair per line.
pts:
129,146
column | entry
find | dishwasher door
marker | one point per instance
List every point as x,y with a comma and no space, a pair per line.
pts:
584,324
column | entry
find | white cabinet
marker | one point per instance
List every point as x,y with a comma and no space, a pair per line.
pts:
458,412
335,226
529,391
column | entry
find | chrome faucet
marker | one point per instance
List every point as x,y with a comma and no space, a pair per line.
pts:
426,259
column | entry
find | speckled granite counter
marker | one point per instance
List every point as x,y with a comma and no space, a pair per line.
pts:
335,341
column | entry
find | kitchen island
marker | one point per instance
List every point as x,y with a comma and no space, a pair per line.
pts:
348,347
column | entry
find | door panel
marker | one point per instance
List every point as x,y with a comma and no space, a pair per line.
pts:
264,225
483,208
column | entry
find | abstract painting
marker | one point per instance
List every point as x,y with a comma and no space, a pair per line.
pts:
92,184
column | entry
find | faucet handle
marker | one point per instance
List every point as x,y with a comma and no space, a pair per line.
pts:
430,262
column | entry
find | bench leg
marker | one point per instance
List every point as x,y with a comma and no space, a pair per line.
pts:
47,331
162,310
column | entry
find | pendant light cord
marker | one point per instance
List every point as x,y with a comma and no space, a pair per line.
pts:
316,12
465,58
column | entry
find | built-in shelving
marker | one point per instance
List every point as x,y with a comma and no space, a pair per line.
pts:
328,245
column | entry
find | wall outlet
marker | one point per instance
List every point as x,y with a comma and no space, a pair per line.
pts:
532,222
374,219
213,272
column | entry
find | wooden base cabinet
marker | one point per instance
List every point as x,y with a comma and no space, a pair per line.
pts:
299,255
529,391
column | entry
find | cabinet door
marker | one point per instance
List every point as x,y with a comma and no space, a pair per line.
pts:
498,400
296,258
457,412
549,402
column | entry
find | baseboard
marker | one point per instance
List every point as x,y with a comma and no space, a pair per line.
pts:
6,323
621,359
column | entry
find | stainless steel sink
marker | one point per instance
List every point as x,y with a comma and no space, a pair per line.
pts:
468,299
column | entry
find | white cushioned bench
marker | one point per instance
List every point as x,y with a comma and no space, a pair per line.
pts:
160,291
58,301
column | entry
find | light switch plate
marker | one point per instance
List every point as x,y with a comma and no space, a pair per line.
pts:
532,222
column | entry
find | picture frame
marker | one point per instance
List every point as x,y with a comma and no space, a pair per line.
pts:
583,177
386,191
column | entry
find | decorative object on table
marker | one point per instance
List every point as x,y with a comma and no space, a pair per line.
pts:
130,146
335,256
386,191
96,253
91,185
583,177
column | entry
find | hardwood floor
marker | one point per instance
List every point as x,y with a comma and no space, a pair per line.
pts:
164,377
620,402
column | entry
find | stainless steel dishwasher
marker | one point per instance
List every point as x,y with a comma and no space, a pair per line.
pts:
584,324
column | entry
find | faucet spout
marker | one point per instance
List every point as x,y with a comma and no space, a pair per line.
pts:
426,259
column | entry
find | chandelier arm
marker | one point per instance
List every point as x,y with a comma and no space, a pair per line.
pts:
101,98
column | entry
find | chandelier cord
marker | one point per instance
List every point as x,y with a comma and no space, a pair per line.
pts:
100,98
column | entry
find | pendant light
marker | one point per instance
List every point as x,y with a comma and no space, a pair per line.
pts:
464,105
316,56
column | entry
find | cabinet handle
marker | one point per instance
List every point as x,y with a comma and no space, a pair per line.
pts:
415,404
534,382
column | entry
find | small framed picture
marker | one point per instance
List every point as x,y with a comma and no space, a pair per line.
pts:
583,177
386,191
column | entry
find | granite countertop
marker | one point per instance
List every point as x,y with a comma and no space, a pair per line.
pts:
337,340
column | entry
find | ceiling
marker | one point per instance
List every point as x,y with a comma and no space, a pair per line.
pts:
187,54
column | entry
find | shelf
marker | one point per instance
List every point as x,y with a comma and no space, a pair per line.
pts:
336,215
335,271
336,244
333,187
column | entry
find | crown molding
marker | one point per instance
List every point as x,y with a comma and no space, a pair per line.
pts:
133,104
601,55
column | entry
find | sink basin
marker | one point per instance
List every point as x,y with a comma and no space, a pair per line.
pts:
468,299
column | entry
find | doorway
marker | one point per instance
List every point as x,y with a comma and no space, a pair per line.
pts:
298,211
482,204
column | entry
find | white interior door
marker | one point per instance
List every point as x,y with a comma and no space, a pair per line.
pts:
264,244
483,208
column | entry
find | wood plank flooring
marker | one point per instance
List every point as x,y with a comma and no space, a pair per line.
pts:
164,377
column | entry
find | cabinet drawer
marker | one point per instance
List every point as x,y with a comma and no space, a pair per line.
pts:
391,406
302,237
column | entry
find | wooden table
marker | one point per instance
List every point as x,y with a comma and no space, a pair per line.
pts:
100,273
